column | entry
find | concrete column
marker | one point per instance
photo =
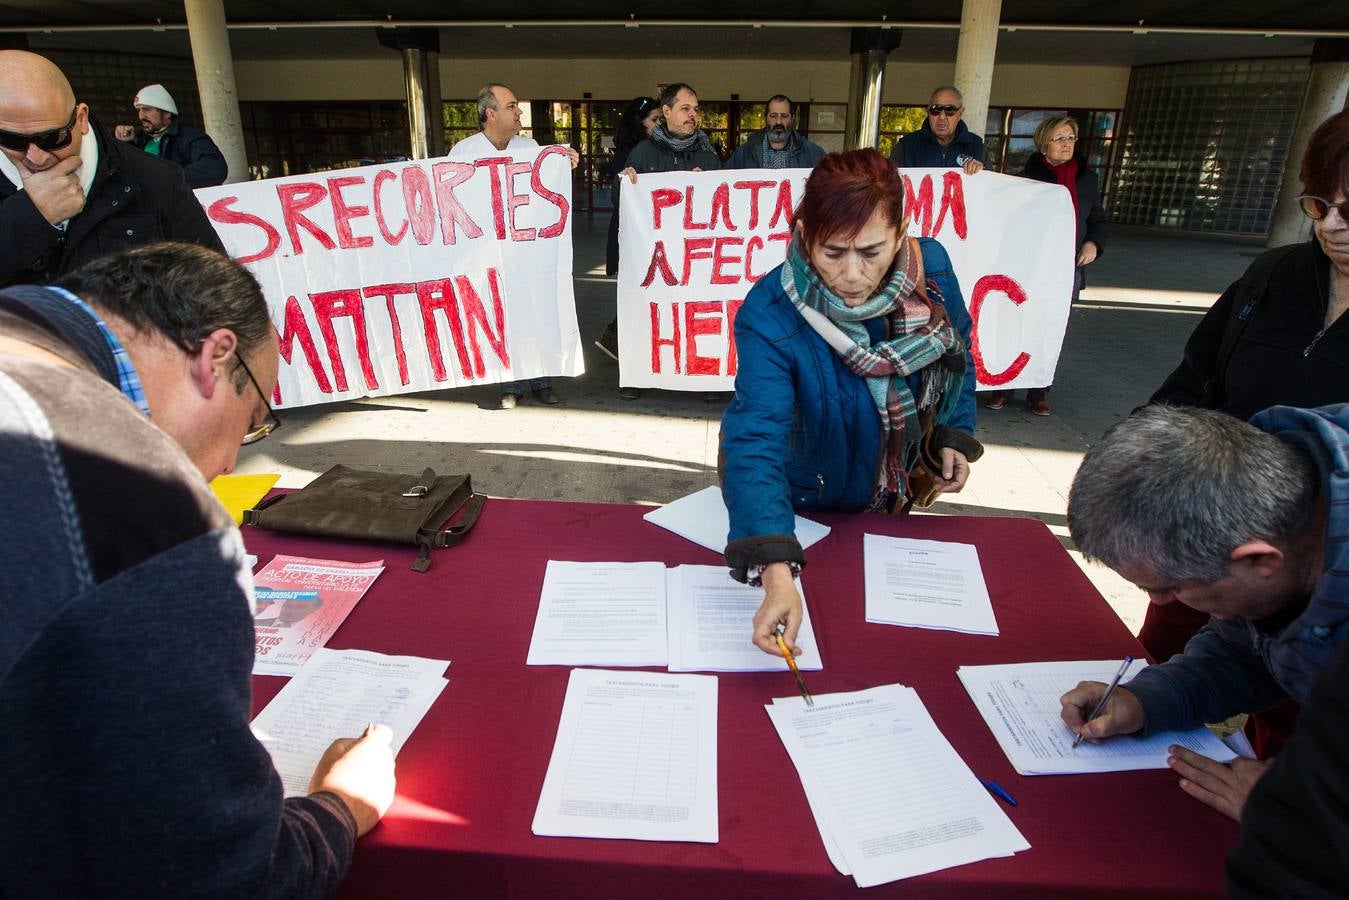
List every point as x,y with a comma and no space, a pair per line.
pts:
974,59
215,82
420,49
1327,88
869,48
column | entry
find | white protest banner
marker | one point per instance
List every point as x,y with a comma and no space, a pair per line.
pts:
411,276
692,244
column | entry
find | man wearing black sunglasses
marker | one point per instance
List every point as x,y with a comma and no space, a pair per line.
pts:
944,141
130,770
70,193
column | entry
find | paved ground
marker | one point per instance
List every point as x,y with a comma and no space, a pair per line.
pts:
1125,334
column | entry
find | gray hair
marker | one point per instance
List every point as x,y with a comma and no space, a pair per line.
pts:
1179,489
960,98
487,99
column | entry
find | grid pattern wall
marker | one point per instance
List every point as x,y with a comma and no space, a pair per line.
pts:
1205,143
108,82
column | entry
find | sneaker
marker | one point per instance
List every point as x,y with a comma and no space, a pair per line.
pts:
996,400
629,393
547,396
508,401
608,342
1039,406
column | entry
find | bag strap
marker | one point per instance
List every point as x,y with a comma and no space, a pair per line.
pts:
463,497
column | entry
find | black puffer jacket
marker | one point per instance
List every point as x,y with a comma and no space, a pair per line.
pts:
135,199
201,160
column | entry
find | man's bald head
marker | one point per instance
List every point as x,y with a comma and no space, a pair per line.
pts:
35,96
26,78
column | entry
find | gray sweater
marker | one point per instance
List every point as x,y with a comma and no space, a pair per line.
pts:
126,648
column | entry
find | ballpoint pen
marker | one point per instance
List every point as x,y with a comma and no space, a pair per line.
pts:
1105,698
791,664
997,790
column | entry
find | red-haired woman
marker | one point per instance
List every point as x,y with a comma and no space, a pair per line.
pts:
854,365
1277,337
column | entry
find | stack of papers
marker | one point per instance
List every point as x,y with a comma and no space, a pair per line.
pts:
926,584
336,695
891,797
702,518
1021,705
300,603
635,757
689,618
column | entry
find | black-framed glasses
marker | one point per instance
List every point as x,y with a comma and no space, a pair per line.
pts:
1319,207
47,141
272,422
942,109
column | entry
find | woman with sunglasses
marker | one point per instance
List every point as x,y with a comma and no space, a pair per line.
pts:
1058,160
855,387
1278,336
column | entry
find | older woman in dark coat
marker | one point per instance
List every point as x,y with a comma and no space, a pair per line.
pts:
1058,162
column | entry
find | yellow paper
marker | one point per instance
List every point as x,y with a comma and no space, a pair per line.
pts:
240,492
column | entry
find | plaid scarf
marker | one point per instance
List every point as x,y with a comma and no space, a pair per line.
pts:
919,334
677,144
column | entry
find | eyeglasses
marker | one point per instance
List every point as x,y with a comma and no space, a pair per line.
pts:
1319,207
272,424
1064,139
945,109
52,139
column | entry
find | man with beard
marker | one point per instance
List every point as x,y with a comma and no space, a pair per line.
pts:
163,134
778,145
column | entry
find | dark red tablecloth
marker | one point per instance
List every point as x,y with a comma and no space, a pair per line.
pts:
469,777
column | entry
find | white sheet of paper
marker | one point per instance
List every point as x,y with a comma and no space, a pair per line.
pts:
893,795
1021,705
600,614
701,517
336,694
635,757
710,619
926,584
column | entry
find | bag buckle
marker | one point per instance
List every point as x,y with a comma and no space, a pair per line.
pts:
418,490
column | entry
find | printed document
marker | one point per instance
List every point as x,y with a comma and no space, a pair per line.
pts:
1021,705
926,584
702,518
300,603
336,695
635,757
710,622
891,796
600,614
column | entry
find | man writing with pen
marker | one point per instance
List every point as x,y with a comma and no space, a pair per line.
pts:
1247,522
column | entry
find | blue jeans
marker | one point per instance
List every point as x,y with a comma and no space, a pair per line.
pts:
518,387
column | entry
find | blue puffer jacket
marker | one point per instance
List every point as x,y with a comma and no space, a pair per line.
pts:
802,432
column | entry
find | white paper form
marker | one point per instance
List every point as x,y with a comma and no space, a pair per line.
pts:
600,614
635,757
926,584
336,694
894,797
1021,705
710,619
701,517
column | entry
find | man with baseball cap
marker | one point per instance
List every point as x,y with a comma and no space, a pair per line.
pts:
163,134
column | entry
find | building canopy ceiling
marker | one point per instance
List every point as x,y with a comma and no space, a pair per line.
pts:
1311,15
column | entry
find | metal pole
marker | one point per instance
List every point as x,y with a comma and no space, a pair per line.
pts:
870,47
